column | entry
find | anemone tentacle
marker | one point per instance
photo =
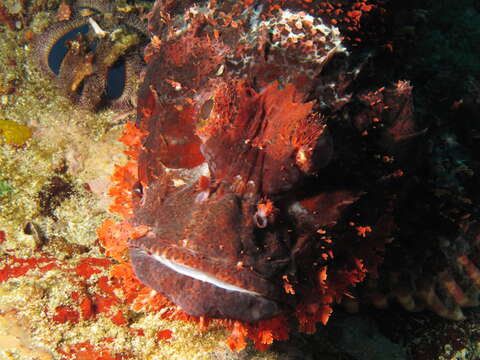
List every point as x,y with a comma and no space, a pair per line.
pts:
137,24
99,6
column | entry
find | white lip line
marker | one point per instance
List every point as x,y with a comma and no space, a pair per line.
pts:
199,275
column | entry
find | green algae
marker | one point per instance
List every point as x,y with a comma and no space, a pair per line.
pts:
4,188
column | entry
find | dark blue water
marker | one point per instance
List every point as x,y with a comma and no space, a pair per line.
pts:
59,50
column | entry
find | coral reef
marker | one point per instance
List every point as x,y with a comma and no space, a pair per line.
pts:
377,199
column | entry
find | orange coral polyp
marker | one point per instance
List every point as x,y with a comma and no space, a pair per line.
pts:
236,340
133,136
164,334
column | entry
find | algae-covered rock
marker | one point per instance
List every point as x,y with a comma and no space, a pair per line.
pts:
14,133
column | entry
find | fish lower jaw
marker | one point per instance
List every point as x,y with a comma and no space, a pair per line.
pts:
200,275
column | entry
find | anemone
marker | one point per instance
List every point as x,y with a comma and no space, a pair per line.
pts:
94,58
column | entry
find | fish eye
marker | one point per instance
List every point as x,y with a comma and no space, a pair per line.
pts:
260,220
138,189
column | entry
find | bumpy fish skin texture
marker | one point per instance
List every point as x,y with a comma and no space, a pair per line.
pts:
233,153
272,177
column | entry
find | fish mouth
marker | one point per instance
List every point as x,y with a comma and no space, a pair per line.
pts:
199,293
200,275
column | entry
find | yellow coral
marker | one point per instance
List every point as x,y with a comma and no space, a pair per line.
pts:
14,133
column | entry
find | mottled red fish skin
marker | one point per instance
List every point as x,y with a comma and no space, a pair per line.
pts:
221,94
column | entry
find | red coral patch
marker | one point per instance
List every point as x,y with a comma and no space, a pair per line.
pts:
119,319
66,313
19,267
89,266
164,334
